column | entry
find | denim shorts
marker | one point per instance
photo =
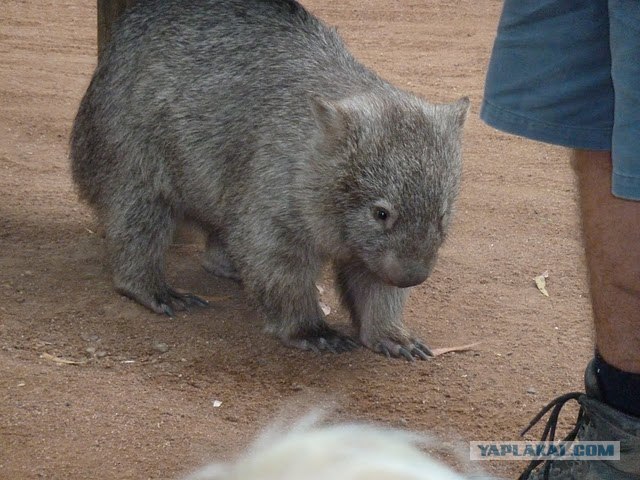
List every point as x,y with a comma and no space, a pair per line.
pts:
568,73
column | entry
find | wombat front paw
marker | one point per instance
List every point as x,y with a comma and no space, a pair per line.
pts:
409,350
322,339
167,301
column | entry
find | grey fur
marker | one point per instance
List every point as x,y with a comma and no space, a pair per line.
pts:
251,119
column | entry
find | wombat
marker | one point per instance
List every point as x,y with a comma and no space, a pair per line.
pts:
251,119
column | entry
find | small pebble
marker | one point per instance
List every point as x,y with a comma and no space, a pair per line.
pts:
532,391
161,347
101,354
89,337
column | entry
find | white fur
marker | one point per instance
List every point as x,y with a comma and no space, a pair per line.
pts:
335,452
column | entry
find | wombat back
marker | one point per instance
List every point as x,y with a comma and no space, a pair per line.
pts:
186,82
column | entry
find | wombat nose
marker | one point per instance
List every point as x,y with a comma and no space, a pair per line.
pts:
411,278
404,274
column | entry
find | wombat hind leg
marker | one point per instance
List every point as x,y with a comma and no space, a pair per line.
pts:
216,260
138,234
167,301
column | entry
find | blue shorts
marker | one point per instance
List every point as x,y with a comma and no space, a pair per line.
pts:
568,73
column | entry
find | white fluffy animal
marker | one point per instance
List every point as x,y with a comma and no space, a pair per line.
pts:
334,452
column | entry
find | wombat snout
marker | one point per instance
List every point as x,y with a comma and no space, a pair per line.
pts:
405,273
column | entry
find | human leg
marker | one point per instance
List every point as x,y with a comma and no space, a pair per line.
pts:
560,73
610,408
611,229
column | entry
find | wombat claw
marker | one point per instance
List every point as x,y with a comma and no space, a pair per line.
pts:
410,353
423,349
166,309
179,301
328,340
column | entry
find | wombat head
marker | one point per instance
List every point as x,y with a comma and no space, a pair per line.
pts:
388,167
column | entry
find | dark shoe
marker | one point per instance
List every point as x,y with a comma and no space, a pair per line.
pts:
596,421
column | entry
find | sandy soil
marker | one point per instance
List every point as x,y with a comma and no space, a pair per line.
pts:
135,408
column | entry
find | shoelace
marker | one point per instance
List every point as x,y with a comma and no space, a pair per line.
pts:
549,433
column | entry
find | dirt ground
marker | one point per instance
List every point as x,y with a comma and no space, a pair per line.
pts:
139,403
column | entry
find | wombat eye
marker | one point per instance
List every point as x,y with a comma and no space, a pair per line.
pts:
380,213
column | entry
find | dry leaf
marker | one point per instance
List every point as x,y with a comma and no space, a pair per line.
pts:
462,348
326,309
61,361
541,283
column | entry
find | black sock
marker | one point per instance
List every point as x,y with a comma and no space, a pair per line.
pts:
619,389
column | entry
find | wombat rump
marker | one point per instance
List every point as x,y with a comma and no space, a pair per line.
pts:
251,119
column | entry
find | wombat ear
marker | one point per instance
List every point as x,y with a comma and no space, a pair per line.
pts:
460,110
330,118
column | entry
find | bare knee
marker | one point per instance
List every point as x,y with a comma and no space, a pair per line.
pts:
585,162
